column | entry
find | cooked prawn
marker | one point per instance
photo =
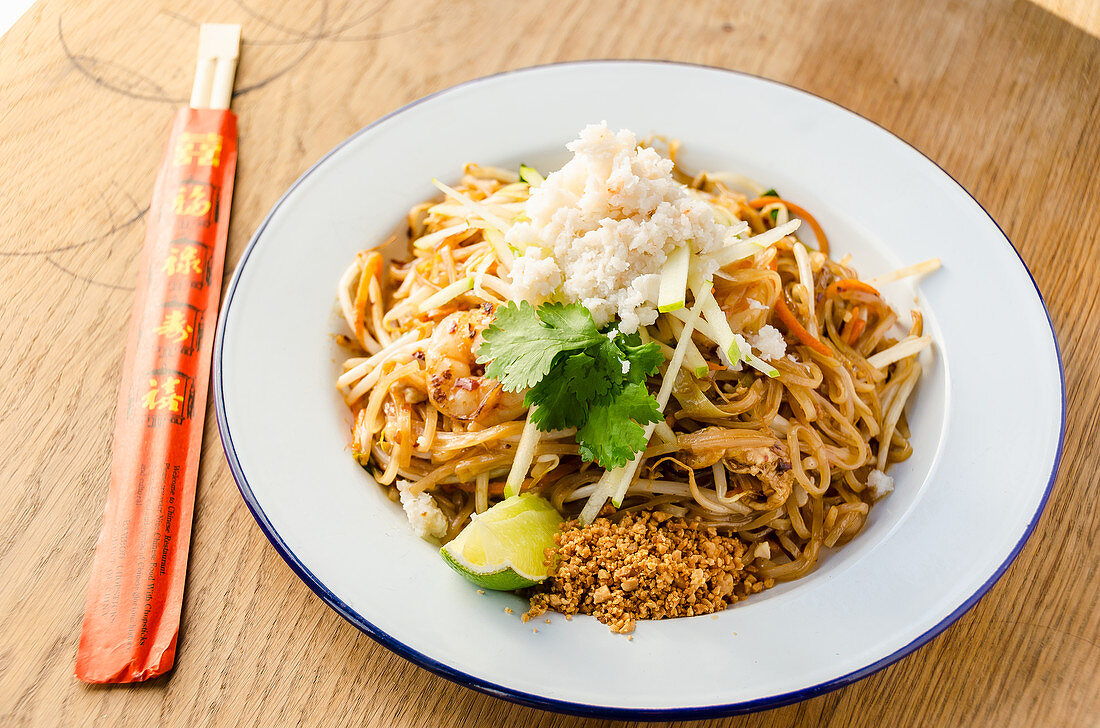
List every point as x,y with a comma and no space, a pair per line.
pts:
456,382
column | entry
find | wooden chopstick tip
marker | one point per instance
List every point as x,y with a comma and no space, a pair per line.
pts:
216,66
219,41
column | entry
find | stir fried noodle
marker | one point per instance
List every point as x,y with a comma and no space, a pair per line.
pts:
788,464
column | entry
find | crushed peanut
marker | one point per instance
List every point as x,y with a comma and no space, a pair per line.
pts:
643,566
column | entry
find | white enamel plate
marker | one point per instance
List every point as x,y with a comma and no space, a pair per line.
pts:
984,456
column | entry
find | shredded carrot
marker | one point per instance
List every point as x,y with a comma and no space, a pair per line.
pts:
716,367
850,284
857,329
799,330
372,263
822,241
854,327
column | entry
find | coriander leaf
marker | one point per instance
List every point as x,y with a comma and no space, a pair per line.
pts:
608,364
563,396
614,431
628,340
574,376
572,319
644,359
597,382
572,385
521,344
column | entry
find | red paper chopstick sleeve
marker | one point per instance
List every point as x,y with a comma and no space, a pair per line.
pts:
132,613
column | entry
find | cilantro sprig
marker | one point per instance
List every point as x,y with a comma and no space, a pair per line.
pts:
612,433
576,376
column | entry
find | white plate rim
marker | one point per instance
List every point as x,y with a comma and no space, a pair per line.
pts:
554,704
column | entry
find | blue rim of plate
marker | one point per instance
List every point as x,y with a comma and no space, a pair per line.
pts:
564,706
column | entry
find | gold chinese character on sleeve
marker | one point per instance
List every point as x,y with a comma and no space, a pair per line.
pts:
175,327
163,395
205,150
183,259
192,200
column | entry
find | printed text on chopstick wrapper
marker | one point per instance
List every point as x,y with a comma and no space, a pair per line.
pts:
132,613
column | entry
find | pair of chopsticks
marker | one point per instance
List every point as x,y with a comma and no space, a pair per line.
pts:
219,49
135,594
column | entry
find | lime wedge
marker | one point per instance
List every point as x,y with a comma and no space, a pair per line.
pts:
504,548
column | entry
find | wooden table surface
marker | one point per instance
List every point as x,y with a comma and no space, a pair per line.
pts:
1004,94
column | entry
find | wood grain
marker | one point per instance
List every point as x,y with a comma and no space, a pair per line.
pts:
1004,94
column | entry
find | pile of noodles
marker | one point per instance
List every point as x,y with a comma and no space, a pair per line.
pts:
834,413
